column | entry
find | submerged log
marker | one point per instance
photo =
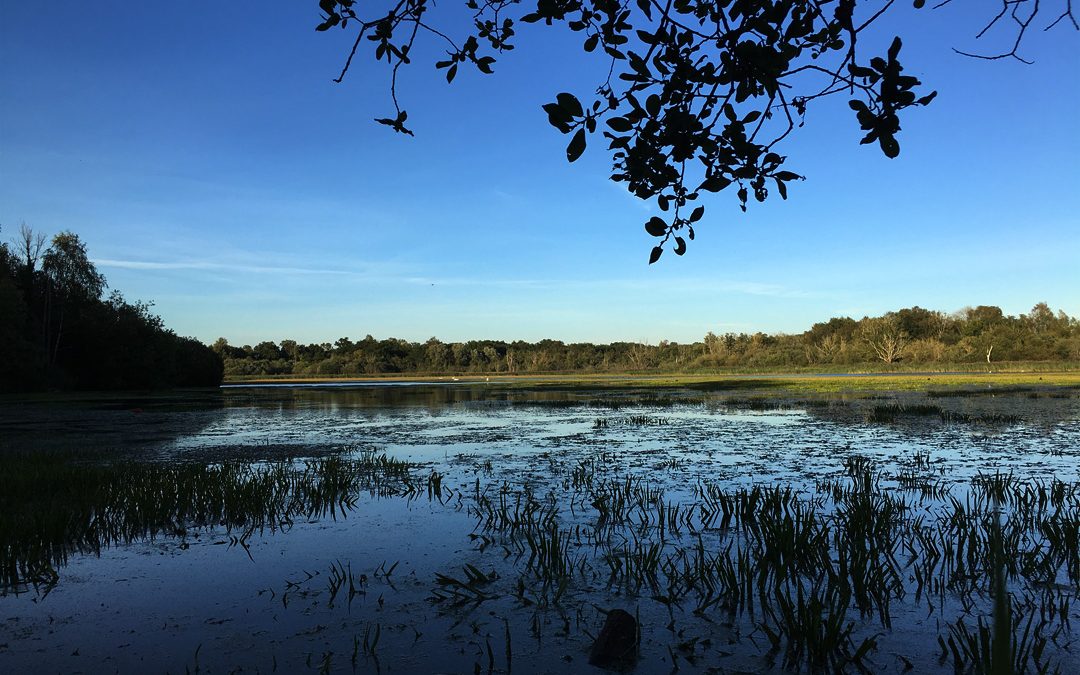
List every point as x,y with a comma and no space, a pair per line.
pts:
616,645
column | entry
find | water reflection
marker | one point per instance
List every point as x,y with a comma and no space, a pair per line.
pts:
122,423
435,396
675,459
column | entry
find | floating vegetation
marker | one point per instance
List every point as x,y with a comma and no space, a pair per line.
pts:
758,403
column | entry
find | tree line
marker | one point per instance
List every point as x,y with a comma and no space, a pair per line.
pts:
902,338
59,331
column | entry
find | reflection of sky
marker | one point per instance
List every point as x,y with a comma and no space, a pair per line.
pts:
705,439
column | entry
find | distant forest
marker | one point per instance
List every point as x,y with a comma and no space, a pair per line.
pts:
902,339
58,332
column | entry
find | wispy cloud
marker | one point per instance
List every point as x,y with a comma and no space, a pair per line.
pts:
204,265
363,271
369,273
666,285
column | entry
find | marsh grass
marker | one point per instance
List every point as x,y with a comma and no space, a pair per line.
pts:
630,421
55,505
821,574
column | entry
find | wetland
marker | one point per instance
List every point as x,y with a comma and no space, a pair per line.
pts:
488,527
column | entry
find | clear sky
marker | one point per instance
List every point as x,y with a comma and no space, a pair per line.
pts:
204,155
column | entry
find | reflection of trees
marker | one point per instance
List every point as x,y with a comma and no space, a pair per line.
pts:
919,413
439,397
123,423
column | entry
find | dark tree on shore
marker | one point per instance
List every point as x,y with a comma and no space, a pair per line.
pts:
71,283
700,93
56,331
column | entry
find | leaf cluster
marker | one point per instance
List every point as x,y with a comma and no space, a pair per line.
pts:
699,93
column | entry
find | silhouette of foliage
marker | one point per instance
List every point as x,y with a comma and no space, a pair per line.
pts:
57,331
699,94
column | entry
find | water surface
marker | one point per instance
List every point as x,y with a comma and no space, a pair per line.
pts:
199,599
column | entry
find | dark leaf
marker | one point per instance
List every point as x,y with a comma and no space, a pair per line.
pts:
680,246
576,147
656,227
451,72
715,184
655,255
697,214
889,146
652,105
570,104
894,48
620,124
557,117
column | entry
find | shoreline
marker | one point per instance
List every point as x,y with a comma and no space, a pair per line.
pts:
719,381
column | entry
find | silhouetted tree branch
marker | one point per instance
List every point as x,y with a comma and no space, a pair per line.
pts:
699,93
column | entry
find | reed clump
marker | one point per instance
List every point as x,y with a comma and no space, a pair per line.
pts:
55,505
820,573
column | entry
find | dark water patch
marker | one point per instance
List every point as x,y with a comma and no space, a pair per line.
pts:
965,392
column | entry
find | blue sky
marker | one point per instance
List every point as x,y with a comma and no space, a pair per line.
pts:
206,158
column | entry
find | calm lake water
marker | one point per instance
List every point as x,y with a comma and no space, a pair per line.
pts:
196,598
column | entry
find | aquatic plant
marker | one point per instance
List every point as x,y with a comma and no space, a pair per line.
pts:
58,504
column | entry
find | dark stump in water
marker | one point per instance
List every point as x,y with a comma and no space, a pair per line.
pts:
615,646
